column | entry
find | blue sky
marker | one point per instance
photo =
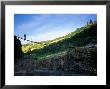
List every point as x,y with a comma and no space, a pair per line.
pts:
42,27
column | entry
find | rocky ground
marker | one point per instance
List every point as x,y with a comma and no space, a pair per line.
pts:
79,61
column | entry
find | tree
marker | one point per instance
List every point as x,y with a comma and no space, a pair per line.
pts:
18,53
87,23
90,22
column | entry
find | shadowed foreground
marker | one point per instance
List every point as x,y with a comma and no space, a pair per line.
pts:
77,62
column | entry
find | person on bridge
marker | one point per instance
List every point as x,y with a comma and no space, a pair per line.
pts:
24,37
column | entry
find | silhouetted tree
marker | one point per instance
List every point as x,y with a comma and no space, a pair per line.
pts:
90,22
18,53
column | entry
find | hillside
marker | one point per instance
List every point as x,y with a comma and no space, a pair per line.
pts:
79,38
72,54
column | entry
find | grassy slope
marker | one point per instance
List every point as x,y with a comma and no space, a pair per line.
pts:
81,37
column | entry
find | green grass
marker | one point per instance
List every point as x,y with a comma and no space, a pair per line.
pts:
53,55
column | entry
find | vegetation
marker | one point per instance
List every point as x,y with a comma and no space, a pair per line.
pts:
79,38
17,49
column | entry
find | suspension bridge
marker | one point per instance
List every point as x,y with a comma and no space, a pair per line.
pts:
25,39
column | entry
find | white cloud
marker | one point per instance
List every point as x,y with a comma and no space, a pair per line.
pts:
47,35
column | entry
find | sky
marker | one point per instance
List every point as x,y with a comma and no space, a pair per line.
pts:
42,27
